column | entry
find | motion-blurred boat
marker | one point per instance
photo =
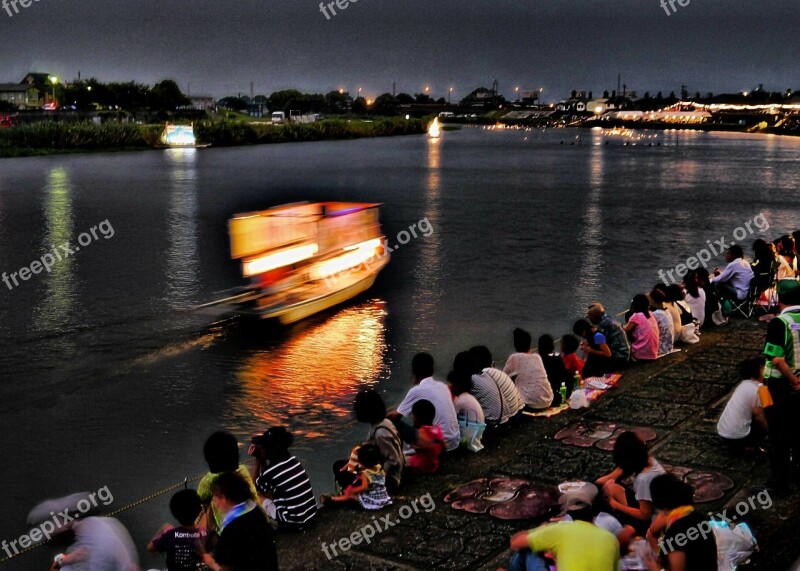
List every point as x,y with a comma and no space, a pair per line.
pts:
304,258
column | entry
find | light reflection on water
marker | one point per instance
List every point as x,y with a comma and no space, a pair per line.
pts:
587,288
182,255
310,380
60,303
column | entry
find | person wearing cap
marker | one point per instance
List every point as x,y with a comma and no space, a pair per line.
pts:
733,282
282,481
613,332
782,351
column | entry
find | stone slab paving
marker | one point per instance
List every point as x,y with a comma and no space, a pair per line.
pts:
679,396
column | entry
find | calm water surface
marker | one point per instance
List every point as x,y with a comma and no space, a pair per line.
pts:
108,378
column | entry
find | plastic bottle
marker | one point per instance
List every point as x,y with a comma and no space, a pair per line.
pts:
563,392
578,381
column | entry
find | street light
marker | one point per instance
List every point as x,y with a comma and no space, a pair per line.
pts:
359,92
54,80
449,93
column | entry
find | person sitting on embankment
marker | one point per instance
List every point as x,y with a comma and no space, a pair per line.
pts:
527,370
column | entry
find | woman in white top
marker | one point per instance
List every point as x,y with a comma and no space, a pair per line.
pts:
467,406
527,370
695,298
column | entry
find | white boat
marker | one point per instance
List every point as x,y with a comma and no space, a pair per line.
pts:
304,258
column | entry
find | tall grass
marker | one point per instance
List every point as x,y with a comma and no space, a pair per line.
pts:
41,138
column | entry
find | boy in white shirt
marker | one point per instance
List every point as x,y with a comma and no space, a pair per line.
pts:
735,424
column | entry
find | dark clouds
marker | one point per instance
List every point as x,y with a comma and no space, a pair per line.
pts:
220,47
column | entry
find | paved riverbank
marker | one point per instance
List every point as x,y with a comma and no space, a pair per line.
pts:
679,396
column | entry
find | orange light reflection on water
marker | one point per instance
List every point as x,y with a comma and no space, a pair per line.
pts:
309,381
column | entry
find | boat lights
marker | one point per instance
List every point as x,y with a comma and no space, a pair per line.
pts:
278,259
353,256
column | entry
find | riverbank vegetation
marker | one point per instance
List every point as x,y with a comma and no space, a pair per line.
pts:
52,138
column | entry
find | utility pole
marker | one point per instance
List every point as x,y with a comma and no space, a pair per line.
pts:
394,89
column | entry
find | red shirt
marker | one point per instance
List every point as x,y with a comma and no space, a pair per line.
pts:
429,446
573,363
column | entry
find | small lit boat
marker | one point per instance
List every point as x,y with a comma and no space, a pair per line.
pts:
179,137
304,258
434,129
619,132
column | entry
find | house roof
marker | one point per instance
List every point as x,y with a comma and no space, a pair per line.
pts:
36,78
15,87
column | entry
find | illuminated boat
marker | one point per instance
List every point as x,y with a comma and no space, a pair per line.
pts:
434,129
179,137
304,258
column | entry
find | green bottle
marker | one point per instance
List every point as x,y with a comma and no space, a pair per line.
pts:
563,392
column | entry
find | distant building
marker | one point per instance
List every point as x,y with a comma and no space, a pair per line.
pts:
22,95
202,102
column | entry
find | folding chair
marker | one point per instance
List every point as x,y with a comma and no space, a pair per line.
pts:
759,284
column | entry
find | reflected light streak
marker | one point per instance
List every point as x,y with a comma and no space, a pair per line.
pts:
311,379
182,253
591,238
427,291
60,297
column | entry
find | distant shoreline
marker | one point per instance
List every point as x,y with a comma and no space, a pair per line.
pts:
45,139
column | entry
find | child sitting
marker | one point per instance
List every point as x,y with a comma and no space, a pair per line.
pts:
369,488
181,543
428,443
569,348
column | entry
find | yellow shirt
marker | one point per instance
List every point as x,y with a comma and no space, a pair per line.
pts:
577,546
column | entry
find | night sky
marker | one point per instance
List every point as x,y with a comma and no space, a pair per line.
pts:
219,47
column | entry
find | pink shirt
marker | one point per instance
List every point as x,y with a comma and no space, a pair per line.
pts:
645,337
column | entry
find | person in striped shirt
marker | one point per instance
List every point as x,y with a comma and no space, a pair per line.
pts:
494,389
282,481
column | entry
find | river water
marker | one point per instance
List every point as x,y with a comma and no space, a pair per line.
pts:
110,379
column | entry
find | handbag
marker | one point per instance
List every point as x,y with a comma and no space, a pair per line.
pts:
471,433
686,315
